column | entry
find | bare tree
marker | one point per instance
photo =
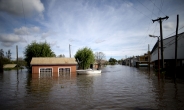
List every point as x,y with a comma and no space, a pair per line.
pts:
62,55
99,57
8,54
1,53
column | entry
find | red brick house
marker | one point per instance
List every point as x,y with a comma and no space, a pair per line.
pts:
52,66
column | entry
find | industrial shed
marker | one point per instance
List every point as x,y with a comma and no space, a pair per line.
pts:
52,66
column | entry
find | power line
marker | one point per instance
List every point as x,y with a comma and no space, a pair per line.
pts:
147,8
155,15
158,7
141,12
24,20
147,17
143,40
169,43
174,39
148,27
174,31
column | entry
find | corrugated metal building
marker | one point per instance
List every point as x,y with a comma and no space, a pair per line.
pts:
169,51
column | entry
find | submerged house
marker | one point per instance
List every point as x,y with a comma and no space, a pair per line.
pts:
9,66
53,66
96,65
137,61
133,61
143,60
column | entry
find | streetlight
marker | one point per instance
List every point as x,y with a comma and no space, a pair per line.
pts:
158,56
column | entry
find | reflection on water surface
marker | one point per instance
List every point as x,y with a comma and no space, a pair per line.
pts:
118,87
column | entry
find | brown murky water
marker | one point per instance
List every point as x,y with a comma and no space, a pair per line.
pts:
117,88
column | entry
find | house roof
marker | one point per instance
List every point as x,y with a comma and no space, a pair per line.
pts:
52,61
9,65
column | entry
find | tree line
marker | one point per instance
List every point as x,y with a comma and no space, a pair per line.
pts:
4,58
8,54
84,57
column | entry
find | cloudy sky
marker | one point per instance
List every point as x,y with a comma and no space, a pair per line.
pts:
118,28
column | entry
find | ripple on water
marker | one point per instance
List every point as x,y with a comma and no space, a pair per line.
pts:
118,87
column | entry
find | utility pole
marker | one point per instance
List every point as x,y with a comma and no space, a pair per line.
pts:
17,57
176,44
148,57
17,53
69,51
158,60
161,36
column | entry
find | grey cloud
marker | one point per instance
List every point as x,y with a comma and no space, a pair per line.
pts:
7,44
53,43
169,26
99,41
58,46
129,4
44,35
16,7
47,34
10,39
21,31
35,29
26,31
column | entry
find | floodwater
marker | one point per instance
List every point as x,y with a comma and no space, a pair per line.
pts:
118,87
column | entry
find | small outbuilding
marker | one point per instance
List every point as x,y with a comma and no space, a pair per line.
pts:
53,66
9,66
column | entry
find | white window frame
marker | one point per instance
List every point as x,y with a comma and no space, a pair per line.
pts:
45,68
64,67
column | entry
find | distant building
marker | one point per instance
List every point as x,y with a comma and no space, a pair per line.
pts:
127,61
137,61
143,60
96,65
134,60
123,62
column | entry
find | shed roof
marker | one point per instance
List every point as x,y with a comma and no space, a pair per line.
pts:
9,65
52,61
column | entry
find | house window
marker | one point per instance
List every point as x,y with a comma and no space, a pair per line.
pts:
64,71
45,72
146,58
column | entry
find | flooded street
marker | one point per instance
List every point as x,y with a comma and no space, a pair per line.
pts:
118,87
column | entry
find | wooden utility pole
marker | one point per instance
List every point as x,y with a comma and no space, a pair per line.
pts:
176,44
17,53
149,57
161,36
158,60
17,57
69,51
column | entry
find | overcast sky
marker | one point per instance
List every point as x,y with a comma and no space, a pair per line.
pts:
118,28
